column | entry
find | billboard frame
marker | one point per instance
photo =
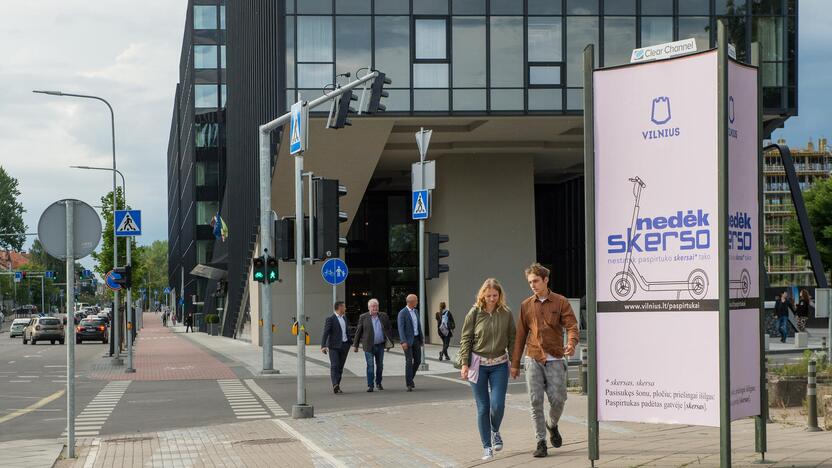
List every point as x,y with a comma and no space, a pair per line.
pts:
723,261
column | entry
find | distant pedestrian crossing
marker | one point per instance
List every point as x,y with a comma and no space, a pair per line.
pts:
272,405
95,415
241,400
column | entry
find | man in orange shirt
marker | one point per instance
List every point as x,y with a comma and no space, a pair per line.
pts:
543,317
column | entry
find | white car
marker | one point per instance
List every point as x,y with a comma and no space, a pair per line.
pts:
17,327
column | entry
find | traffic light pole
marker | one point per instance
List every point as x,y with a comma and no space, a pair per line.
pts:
301,410
422,299
130,318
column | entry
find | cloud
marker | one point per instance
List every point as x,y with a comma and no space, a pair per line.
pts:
124,51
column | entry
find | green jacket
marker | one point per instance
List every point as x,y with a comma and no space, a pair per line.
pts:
493,334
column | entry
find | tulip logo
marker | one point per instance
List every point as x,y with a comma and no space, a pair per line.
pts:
660,113
638,54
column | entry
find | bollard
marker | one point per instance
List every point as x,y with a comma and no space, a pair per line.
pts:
812,399
766,409
823,344
583,370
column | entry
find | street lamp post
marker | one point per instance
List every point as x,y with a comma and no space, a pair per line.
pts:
130,319
116,358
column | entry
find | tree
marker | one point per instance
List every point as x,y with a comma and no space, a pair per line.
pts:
11,213
819,208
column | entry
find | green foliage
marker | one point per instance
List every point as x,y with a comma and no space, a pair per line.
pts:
212,318
819,208
11,213
801,368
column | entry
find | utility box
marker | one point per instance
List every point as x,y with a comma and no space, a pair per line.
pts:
823,302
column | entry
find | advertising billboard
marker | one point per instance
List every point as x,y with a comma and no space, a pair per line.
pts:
743,241
657,247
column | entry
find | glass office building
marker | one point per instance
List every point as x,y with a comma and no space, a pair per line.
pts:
500,84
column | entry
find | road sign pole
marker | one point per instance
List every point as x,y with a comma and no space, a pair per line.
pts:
302,409
422,299
69,337
130,318
42,302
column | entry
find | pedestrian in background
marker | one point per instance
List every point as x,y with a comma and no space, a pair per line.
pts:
412,338
336,344
165,319
802,312
372,333
445,326
189,323
543,318
488,335
781,310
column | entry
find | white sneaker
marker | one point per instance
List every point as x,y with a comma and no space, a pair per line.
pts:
487,454
497,441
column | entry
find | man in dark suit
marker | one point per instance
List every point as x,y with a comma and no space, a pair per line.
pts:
373,332
336,343
412,338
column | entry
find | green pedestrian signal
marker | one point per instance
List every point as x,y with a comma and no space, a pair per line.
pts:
258,269
271,269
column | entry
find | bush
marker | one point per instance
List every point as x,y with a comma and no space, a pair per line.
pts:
212,318
801,369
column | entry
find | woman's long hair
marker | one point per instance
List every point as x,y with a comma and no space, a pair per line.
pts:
490,283
804,295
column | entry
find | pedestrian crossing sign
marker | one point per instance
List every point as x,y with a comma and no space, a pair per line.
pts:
128,223
421,204
297,128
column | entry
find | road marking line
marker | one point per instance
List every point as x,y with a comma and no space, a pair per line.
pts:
20,381
310,445
61,365
273,406
43,402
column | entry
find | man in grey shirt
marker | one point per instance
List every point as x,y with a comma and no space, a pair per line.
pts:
372,333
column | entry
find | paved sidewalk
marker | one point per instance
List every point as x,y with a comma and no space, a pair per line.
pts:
161,354
33,453
442,434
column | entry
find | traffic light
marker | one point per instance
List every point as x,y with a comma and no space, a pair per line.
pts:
284,238
377,92
435,253
125,276
343,110
271,270
22,275
328,218
258,269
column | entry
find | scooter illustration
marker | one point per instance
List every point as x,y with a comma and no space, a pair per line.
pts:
741,286
626,282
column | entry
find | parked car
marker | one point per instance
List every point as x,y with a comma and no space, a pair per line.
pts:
91,329
17,327
44,328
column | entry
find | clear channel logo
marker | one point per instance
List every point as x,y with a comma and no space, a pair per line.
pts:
660,115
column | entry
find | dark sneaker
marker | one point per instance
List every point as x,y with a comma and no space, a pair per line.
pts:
554,437
541,451
379,387
369,389
337,389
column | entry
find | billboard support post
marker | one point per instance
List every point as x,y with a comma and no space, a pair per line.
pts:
760,421
724,291
589,203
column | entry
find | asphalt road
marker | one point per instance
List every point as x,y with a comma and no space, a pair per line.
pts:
33,385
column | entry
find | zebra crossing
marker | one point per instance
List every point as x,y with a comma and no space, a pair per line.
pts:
95,415
243,403
272,405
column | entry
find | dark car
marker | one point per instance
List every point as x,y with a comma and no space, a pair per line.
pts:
91,329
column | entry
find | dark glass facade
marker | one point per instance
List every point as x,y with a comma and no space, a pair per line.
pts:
517,56
196,148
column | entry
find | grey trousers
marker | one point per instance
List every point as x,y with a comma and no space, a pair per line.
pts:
546,379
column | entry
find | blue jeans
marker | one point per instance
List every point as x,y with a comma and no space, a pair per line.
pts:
783,325
375,360
490,408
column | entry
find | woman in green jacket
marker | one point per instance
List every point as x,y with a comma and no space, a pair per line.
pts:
484,348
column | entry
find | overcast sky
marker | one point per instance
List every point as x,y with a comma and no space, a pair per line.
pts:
128,53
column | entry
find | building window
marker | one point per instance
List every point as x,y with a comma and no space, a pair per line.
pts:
620,7
222,16
697,27
656,30
314,39
619,39
205,56
695,7
207,173
657,7
544,75
222,56
506,54
222,95
205,210
469,52
206,96
207,135
205,17
204,251
544,39
431,39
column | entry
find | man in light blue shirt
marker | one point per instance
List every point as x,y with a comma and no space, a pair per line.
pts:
373,332
412,338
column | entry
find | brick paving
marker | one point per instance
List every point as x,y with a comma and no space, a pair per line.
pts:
160,354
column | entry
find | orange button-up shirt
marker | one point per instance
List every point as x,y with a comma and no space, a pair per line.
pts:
540,328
